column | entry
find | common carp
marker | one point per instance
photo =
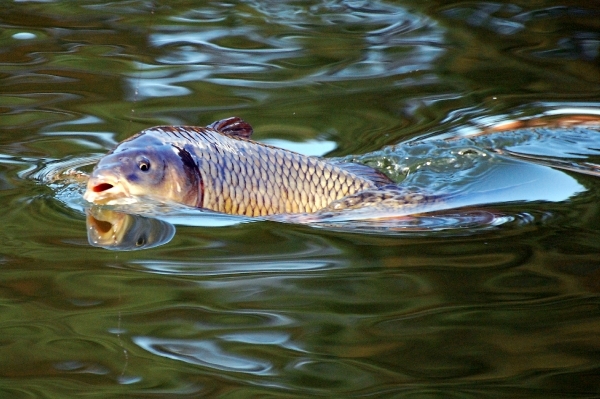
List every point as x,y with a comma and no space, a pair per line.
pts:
218,167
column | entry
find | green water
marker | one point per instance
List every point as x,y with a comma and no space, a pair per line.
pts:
240,308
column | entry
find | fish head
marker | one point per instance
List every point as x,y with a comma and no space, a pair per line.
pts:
145,168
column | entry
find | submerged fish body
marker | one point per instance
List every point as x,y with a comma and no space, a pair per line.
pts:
219,168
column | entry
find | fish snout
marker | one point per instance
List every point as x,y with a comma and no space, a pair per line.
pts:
103,188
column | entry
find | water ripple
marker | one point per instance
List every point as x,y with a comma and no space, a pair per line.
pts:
204,353
242,56
497,300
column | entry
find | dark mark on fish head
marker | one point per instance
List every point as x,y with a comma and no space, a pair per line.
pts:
132,178
192,175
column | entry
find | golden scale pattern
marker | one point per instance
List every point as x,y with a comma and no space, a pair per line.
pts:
261,180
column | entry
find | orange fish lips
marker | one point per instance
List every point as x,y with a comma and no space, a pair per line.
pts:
104,189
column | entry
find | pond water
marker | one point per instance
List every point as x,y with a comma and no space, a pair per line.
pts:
495,294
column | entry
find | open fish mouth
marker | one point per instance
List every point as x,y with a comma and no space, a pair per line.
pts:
98,188
105,227
106,191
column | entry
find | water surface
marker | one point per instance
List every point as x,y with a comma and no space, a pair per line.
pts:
505,305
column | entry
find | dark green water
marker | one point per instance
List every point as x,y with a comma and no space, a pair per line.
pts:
236,308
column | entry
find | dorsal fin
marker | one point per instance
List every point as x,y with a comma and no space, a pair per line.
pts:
233,126
364,171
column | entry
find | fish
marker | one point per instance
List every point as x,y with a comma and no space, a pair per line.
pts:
219,168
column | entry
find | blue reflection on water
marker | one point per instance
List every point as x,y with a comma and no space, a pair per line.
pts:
207,353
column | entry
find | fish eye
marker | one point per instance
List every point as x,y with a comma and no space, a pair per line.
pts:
144,164
140,241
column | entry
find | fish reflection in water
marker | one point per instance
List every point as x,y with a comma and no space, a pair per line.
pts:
111,229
